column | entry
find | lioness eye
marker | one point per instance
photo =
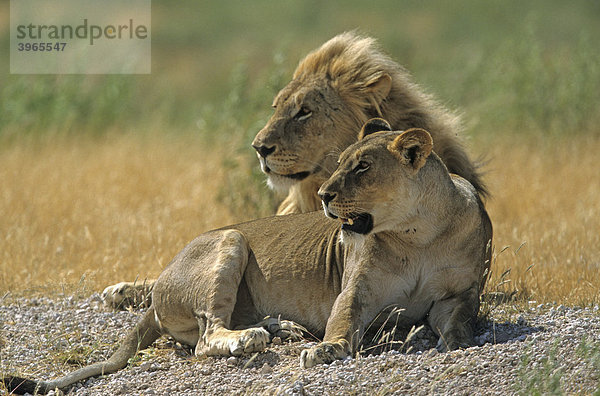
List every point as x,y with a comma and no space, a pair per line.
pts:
361,167
302,114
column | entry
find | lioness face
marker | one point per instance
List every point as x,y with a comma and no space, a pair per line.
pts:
300,140
375,187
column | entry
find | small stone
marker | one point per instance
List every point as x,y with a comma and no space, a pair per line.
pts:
298,387
276,341
232,361
266,369
205,371
145,366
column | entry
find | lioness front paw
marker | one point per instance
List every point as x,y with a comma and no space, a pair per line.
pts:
452,344
324,353
127,294
234,342
284,329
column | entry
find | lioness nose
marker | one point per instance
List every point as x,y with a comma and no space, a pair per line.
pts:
264,150
326,197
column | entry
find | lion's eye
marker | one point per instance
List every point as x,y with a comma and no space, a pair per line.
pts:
302,114
361,167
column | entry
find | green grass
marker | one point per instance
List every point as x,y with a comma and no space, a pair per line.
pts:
507,65
544,376
545,379
500,65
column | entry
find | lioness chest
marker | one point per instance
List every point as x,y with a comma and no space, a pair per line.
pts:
394,277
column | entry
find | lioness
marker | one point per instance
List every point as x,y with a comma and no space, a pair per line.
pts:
333,92
400,231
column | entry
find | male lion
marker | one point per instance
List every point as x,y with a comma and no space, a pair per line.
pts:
408,234
333,92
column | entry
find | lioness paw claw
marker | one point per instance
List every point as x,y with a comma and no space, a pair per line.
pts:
323,353
254,340
114,295
126,294
284,329
234,343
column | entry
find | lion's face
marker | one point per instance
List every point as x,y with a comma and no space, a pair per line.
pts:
375,186
301,140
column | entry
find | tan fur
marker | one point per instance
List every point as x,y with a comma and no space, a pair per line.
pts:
425,251
345,82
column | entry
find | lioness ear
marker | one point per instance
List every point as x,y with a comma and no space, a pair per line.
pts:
412,147
372,126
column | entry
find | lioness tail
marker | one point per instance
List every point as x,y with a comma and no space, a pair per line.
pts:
144,334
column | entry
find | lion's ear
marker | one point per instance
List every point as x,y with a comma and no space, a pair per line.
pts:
412,147
380,87
372,126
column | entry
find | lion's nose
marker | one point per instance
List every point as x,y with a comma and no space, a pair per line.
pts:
264,151
326,198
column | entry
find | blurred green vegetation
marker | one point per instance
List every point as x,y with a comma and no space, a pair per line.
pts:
509,66
532,66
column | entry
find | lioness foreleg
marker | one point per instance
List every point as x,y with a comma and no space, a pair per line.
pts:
344,329
453,319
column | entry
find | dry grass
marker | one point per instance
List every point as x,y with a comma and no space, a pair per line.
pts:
117,208
547,199
103,210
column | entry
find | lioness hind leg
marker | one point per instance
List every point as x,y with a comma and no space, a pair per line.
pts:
453,320
128,294
215,295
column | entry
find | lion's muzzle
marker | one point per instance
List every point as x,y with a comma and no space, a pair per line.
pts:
263,151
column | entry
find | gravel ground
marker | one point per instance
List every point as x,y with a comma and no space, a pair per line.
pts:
545,348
